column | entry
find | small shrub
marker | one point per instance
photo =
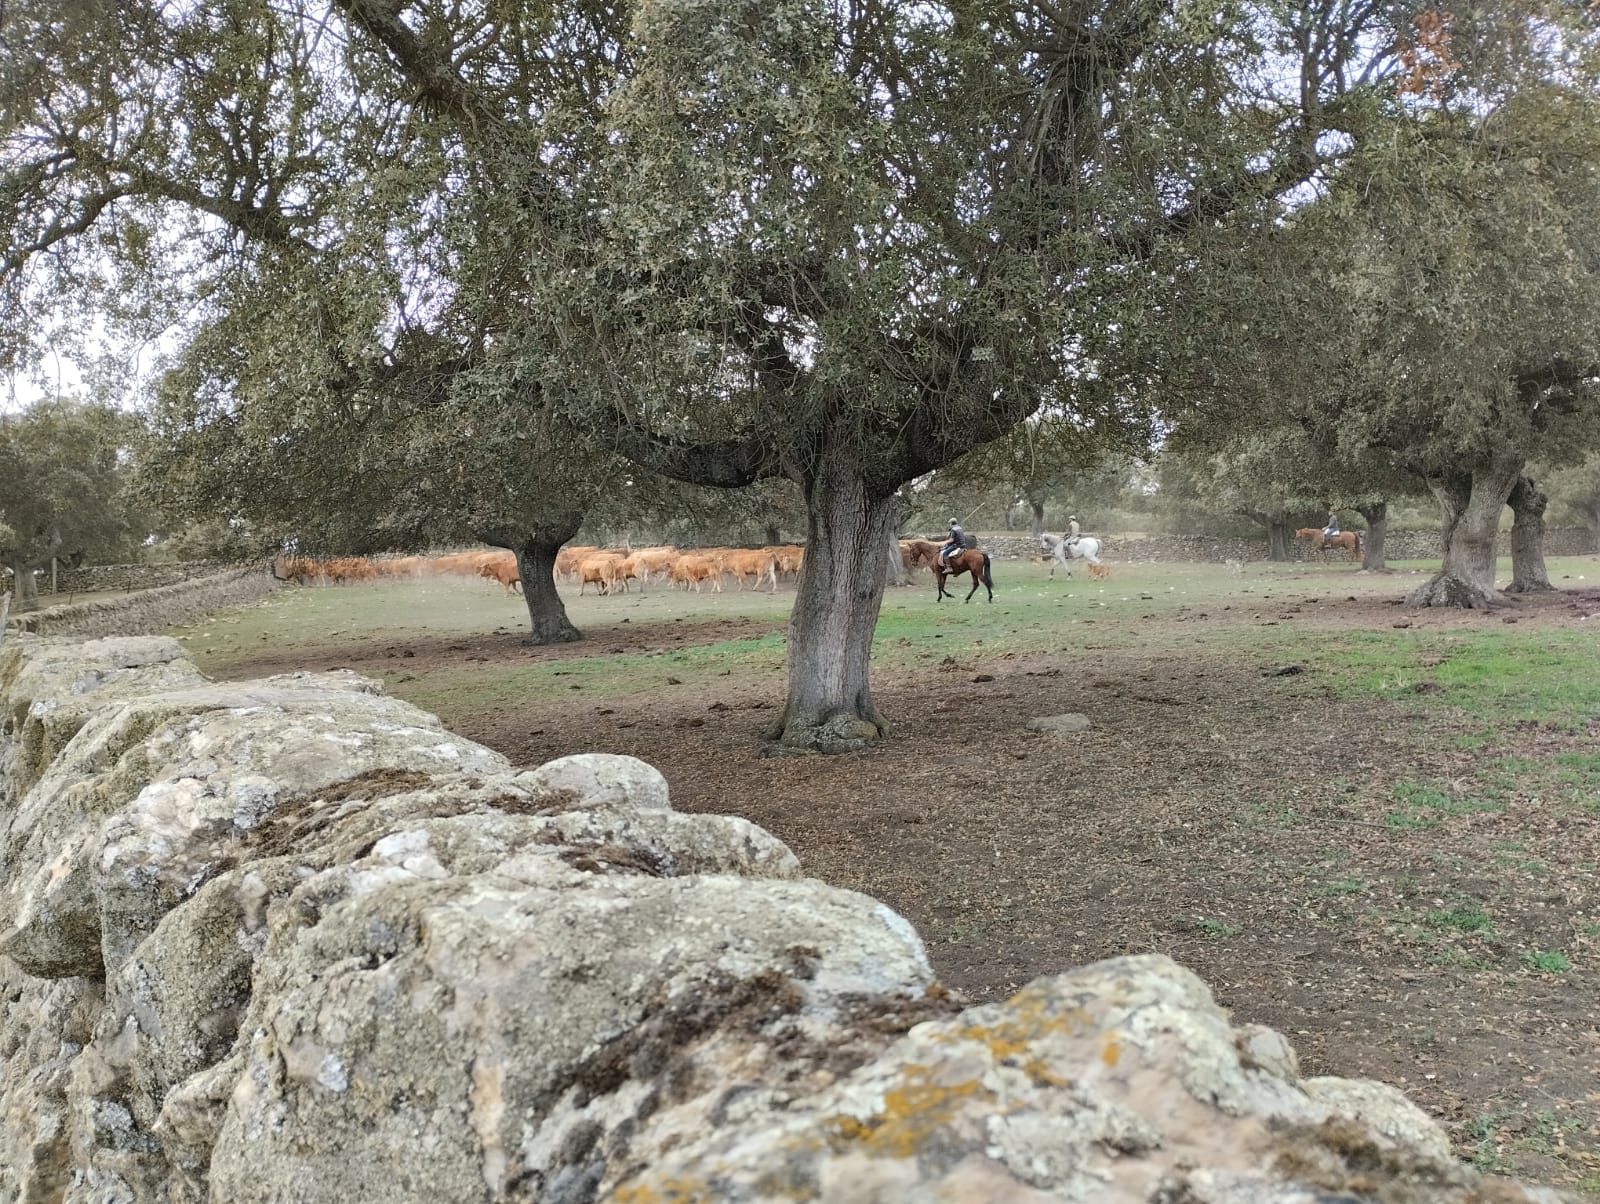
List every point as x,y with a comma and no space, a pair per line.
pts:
1547,962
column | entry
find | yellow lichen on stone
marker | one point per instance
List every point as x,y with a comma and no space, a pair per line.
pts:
669,1191
1112,1053
1029,1018
912,1113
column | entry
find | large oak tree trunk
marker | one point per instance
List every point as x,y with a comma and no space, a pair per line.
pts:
24,587
829,706
1280,538
1470,502
774,536
897,568
1372,554
1038,519
536,563
1528,503
1589,514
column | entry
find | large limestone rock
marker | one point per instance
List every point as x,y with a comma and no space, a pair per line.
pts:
131,817
51,687
291,940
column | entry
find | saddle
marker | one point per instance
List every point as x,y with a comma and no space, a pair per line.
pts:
968,543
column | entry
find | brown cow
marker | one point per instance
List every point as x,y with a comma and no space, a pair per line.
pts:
568,559
504,570
654,560
790,558
693,570
602,571
757,564
349,568
633,568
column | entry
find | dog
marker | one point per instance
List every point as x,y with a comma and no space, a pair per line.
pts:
1099,571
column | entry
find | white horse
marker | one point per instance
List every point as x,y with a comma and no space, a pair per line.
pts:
1063,553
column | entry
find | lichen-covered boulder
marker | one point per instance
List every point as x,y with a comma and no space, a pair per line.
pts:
1121,1081
129,819
50,688
44,1024
603,777
463,1011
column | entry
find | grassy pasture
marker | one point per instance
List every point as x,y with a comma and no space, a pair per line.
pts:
1372,828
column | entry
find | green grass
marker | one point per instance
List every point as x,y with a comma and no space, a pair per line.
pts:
1547,961
1421,806
1466,918
1539,675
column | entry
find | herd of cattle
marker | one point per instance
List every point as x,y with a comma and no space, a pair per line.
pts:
609,570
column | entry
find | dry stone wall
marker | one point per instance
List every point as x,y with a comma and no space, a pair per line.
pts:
128,577
1398,545
152,610
292,940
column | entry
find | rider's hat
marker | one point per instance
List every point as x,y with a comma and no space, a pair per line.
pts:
953,522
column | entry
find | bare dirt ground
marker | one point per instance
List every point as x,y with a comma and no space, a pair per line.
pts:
1239,820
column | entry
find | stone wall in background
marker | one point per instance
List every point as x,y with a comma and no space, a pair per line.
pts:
152,610
94,578
291,940
1398,545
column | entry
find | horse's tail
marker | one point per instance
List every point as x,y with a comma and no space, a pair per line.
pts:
986,579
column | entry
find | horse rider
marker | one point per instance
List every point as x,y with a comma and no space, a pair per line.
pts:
1332,528
1073,530
957,541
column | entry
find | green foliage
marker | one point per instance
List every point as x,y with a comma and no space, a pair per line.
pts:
62,484
1574,493
1423,310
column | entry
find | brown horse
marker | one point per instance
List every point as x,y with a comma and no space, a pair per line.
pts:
968,560
1350,541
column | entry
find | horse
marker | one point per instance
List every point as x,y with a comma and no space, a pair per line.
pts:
967,560
1350,541
1063,553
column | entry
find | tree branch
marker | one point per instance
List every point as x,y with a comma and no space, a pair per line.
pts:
724,464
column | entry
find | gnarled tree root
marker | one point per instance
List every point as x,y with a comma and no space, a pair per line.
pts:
1452,591
843,731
